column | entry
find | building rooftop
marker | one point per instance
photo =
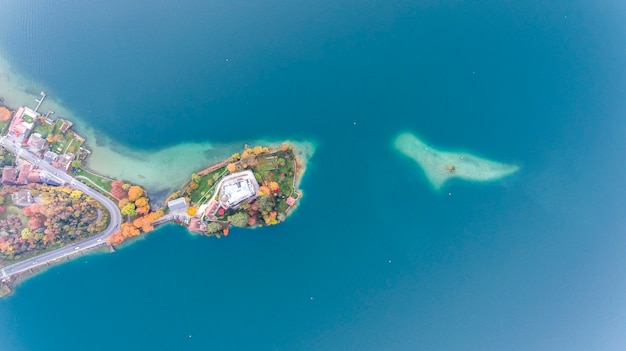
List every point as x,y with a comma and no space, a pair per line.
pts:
36,141
196,225
177,204
50,156
65,125
49,179
22,198
9,175
238,188
65,161
34,176
24,172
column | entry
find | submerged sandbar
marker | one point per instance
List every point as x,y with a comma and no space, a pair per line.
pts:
440,166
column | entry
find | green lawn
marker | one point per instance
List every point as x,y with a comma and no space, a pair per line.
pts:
67,140
4,126
204,190
100,181
43,129
10,209
73,146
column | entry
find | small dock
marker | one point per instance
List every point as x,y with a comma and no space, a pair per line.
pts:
40,100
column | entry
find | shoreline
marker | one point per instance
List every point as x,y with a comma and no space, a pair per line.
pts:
14,280
158,170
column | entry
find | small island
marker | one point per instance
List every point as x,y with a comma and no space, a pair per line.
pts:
53,207
254,188
439,166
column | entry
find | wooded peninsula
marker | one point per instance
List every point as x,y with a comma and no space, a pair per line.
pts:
53,207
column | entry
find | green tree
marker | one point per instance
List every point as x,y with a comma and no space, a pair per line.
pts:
77,164
265,203
239,219
213,227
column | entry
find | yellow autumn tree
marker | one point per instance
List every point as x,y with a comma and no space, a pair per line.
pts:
274,186
191,211
122,202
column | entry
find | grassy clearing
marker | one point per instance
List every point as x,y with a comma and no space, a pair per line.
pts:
73,146
105,183
13,210
43,129
66,142
206,185
4,126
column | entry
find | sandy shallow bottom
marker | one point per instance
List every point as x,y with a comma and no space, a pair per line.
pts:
157,170
440,166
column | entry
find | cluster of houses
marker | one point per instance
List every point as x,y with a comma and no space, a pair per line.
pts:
26,173
20,132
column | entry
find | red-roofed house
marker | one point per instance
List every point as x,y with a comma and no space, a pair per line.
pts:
34,176
18,127
65,126
9,175
24,172
196,225
211,208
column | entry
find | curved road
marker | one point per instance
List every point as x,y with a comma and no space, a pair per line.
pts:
94,241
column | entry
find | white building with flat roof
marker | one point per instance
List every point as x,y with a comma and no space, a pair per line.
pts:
177,204
238,188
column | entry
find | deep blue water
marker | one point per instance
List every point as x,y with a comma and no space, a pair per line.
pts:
533,262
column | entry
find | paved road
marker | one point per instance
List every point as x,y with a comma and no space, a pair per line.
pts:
94,241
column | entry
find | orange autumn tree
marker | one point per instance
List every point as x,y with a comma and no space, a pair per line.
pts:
264,190
136,227
231,167
127,230
140,202
143,210
135,192
5,114
133,203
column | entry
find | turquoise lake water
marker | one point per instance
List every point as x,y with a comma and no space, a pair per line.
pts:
373,258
